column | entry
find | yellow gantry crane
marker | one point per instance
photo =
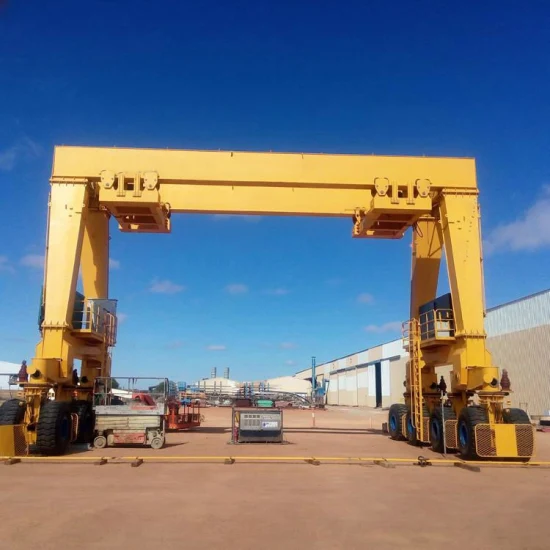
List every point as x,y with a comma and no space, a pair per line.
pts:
383,196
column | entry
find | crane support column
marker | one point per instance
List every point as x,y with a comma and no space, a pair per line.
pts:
427,248
472,365
95,281
55,352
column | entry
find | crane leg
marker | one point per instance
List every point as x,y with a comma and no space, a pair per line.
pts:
51,368
95,282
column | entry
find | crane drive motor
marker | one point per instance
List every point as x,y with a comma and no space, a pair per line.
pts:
251,425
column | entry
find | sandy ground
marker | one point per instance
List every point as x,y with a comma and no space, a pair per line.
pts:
290,506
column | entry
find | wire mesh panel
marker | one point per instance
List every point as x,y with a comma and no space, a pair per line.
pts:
426,423
13,441
505,440
525,438
451,440
485,441
21,447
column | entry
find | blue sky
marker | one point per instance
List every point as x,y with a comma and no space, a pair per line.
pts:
263,295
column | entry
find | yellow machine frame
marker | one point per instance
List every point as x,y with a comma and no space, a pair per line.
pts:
382,196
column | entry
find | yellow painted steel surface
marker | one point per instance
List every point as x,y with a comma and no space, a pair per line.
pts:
229,168
382,196
7,441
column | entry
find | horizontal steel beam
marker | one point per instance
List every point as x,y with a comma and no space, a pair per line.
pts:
227,168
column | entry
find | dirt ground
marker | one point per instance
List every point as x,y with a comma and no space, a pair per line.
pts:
276,505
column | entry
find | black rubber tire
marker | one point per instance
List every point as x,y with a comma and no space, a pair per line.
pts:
395,417
411,432
86,420
12,412
468,419
436,427
515,416
53,431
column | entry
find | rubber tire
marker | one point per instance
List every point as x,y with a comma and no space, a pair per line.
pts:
436,427
468,419
157,443
12,412
395,417
411,432
86,420
515,416
53,431
100,442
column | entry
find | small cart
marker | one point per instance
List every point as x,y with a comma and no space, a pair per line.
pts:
130,411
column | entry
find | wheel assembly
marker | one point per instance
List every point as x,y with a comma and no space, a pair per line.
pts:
437,419
157,443
12,412
100,442
53,431
515,416
395,421
86,420
411,430
468,419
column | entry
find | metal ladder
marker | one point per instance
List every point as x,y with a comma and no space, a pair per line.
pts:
416,378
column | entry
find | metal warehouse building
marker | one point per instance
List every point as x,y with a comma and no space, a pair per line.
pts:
518,337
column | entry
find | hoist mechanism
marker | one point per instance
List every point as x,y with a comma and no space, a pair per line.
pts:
383,196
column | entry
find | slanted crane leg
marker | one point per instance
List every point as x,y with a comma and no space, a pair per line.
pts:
95,281
484,430
472,365
426,260
53,363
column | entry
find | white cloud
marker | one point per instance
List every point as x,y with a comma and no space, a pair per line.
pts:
24,148
290,362
165,287
278,291
250,218
393,326
5,265
236,288
121,317
287,345
114,264
365,298
529,232
33,260
216,347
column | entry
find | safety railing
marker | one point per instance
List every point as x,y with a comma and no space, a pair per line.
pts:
437,324
97,317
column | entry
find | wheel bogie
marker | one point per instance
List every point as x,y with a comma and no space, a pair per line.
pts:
437,427
468,419
86,420
395,421
411,431
54,428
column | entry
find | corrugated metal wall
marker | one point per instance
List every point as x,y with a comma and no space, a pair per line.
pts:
533,311
526,357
